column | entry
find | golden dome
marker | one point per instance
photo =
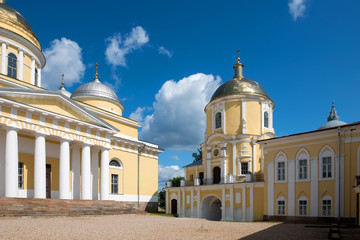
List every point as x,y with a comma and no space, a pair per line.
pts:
13,21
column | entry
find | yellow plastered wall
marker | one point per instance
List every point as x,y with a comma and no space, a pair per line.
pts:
232,118
253,117
209,121
125,129
28,160
258,203
103,104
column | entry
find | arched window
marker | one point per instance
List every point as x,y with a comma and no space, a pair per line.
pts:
114,163
302,165
12,65
36,77
281,167
218,120
326,163
266,119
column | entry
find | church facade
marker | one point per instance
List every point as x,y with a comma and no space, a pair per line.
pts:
247,174
54,144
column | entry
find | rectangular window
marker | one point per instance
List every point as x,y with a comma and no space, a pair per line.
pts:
303,208
326,167
114,183
303,169
326,208
281,207
21,175
244,168
281,171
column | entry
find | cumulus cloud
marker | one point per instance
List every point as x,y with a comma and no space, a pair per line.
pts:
138,114
164,51
63,56
297,8
177,120
168,172
118,46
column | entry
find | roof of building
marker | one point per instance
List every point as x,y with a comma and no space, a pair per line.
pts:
195,163
333,119
14,16
239,85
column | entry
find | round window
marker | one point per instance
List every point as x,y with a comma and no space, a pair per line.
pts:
216,152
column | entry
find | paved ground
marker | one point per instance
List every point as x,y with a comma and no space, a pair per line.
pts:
155,227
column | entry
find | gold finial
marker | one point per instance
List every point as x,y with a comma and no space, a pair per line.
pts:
238,56
96,74
62,82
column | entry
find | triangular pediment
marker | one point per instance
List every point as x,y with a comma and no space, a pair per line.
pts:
53,103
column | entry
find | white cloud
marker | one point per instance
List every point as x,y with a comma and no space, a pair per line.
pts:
297,8
177,121
138,114
166,52
63,56
175,157
118,46
168,172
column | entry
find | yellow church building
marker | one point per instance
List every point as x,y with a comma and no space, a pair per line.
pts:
248,174
54,144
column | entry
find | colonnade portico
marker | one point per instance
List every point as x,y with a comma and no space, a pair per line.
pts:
84,180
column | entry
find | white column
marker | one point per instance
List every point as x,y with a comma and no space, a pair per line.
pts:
2,163
21,64
342,186
231,217
198,203
223,171
39,77
209,174
234,160
270,179
223,208
192,203
85,173
337,214
167,201
64,170
104,175
11,163
291,188
314,205
243,215
33,71
75,171
254,157
182,212
3,58
40,167
95,173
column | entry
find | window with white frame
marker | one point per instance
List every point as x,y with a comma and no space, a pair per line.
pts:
281,207
326,207
302,165
302,169
266,119
218,120
114,183
303,207
12,65
21,175
244,168
326,165
281,171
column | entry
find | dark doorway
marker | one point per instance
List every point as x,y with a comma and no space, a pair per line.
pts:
216,175
201,176
48,181
174,207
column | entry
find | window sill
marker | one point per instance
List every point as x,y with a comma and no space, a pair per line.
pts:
280,181
326,179
302,180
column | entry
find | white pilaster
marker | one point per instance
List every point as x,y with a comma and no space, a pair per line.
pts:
270,197
231,217
342,186
291,188
251,217
40,167
234,159
178,201
183,210
337,214
3,58
209,173
104,175
85,173
21,64
11,163
64,170
314,188
254,160
243,215
198,203
167,201
2,163
39,77
75,171
95,173
33,71
223,208
223,171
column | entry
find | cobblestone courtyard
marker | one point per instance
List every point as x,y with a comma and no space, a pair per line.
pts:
155,227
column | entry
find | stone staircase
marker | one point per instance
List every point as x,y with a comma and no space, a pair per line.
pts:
13,207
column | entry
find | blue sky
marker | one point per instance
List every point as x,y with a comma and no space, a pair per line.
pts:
164,59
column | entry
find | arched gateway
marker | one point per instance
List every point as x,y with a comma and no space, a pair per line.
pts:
211,208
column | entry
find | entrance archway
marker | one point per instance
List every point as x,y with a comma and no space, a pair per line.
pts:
211,208
173,206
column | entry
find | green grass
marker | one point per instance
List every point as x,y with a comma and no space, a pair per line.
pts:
162,214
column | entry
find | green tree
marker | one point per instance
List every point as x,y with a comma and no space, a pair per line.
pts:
197,156
162,194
